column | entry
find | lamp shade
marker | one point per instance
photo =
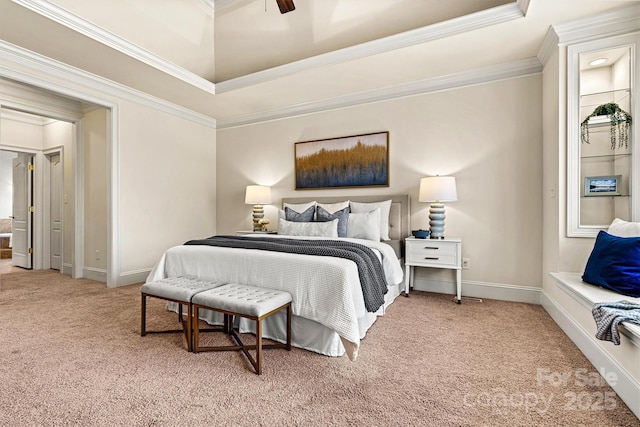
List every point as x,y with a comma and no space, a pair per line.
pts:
257,195
438,189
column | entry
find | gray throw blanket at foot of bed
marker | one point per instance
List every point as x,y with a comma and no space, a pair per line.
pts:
608,315
370,272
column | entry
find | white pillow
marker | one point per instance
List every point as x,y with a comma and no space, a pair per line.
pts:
333,207
310,229
385,208
622,228
365,225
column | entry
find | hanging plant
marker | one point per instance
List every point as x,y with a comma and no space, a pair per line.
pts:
620,124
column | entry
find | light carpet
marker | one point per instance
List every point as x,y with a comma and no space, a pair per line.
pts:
71,354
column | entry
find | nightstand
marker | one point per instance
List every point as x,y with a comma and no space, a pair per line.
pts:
240,233
433,253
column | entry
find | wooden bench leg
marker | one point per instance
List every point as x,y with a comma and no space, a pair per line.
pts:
289,327
258,347
143,316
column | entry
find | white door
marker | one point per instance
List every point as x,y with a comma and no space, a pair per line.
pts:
22,210
56,212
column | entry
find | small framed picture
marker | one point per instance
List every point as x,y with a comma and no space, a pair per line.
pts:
602,185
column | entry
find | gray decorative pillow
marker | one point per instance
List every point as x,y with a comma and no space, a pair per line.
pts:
322,215
306,216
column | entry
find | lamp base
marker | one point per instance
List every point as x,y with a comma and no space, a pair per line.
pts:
258,214
436,221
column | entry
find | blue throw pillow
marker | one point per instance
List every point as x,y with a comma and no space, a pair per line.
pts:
322,215
614,264
306,216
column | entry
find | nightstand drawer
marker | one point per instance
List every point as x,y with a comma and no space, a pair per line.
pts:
430,248
432,252
432,257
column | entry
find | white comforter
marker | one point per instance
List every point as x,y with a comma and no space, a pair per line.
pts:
324,289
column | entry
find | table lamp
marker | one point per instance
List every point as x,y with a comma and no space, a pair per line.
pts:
437,189
257,195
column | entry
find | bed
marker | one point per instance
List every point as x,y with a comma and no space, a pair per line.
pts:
331,315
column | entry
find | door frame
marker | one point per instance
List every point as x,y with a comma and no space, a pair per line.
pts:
46,207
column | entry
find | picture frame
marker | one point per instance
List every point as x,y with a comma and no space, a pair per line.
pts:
607,185
348,161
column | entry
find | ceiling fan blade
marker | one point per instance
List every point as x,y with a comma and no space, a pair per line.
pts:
286,5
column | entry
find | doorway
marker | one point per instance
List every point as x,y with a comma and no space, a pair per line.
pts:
32,188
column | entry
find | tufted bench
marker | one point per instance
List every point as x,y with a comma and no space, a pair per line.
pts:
245,301
176,289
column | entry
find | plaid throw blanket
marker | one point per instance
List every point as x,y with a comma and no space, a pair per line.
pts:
608,316
370,272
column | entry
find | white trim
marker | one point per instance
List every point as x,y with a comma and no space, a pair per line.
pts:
67,269
19,116
491,73
77,164
524,6
627,388
497,291
87,28
97,274
86,81
619,21
574,145
113,197
548,47
459,25
133,277
428,33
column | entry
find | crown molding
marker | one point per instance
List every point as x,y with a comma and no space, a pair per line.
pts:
18,116
428,33
86,28
524,6
618,21
425,34
488,74
24,66
548,47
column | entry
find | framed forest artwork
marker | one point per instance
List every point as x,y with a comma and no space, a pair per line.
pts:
348,161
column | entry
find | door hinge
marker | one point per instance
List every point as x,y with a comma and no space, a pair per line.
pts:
32,209
30,250
31,167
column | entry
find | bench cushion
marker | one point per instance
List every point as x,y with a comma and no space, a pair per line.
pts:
178,288
242,299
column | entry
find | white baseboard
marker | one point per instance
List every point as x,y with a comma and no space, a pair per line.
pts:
97,274
132,277
481,290
67,269
625,385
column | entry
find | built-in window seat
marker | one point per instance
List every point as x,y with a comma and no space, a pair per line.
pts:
571,309
588,295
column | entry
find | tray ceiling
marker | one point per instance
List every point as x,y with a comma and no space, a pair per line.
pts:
231,58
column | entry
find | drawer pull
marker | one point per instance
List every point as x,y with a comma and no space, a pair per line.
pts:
431,247
432,257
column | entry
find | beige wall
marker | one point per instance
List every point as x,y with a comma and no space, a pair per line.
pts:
94,129
167,184
19,134
488,136
163,183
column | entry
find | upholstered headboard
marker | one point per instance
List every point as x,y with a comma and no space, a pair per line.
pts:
399,215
